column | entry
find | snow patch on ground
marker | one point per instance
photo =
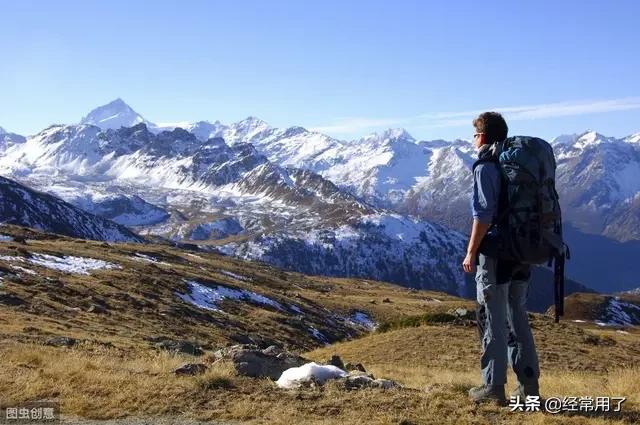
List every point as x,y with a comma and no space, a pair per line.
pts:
318,335
148,259
361,318
71,264
295,376
67,264
235,276
23,270
5,238
207,297
296,309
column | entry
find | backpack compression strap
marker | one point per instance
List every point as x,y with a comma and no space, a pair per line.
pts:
558,286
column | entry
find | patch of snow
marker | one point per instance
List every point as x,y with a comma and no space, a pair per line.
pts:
318,335
207,296
71,264
235,276
295,376
11,259
148,259
68,264
24,270
296,309
579,321
361,318
5,238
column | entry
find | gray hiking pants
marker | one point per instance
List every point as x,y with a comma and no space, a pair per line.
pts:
503,323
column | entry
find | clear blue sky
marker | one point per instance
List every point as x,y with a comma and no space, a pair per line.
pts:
345,67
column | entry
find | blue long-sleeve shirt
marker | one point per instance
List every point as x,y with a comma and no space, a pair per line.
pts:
486,191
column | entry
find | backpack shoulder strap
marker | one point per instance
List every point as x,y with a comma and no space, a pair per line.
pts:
484,161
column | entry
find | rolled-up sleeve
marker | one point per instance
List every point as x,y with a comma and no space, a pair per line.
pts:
486,189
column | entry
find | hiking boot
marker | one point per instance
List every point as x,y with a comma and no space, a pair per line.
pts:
526,390
488,393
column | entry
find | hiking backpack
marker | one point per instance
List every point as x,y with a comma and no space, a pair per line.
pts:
529,221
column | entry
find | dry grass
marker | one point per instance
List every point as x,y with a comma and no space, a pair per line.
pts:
115,373
101,383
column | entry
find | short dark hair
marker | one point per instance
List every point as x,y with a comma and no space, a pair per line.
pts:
493,125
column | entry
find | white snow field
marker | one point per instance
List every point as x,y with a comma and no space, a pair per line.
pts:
67,264
207,297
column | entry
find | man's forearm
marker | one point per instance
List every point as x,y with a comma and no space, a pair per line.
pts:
478,230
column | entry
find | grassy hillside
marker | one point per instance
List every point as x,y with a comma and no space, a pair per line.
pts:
114,371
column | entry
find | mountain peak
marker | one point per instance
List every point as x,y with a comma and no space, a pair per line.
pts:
251,124
3,131
633,138
391,135
590,134
113,115
397,133
253,121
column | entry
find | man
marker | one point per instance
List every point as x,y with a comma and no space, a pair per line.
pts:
501,285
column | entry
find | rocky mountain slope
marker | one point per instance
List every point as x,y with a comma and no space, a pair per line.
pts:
128,293
173,185
8,140
619,311
259,191
20,205
599,181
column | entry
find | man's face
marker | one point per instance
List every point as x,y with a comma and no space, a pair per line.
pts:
478,139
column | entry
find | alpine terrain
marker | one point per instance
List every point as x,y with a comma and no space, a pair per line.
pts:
385,206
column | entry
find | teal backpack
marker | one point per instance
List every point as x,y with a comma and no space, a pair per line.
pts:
529,222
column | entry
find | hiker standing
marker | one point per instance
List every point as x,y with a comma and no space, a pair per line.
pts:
503,323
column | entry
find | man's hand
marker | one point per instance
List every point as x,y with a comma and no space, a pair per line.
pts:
469,263
478,230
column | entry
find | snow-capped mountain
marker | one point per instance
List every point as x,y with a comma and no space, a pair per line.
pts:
8,139
390,169
128,210
234,198
113,115
258,189
386,247
23,206
599,183
249,130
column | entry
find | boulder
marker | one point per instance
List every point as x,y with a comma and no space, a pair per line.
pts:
96,308
358,381
62,341
178,346
249,360
190,369
463,313
10,299
357,366
336,361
